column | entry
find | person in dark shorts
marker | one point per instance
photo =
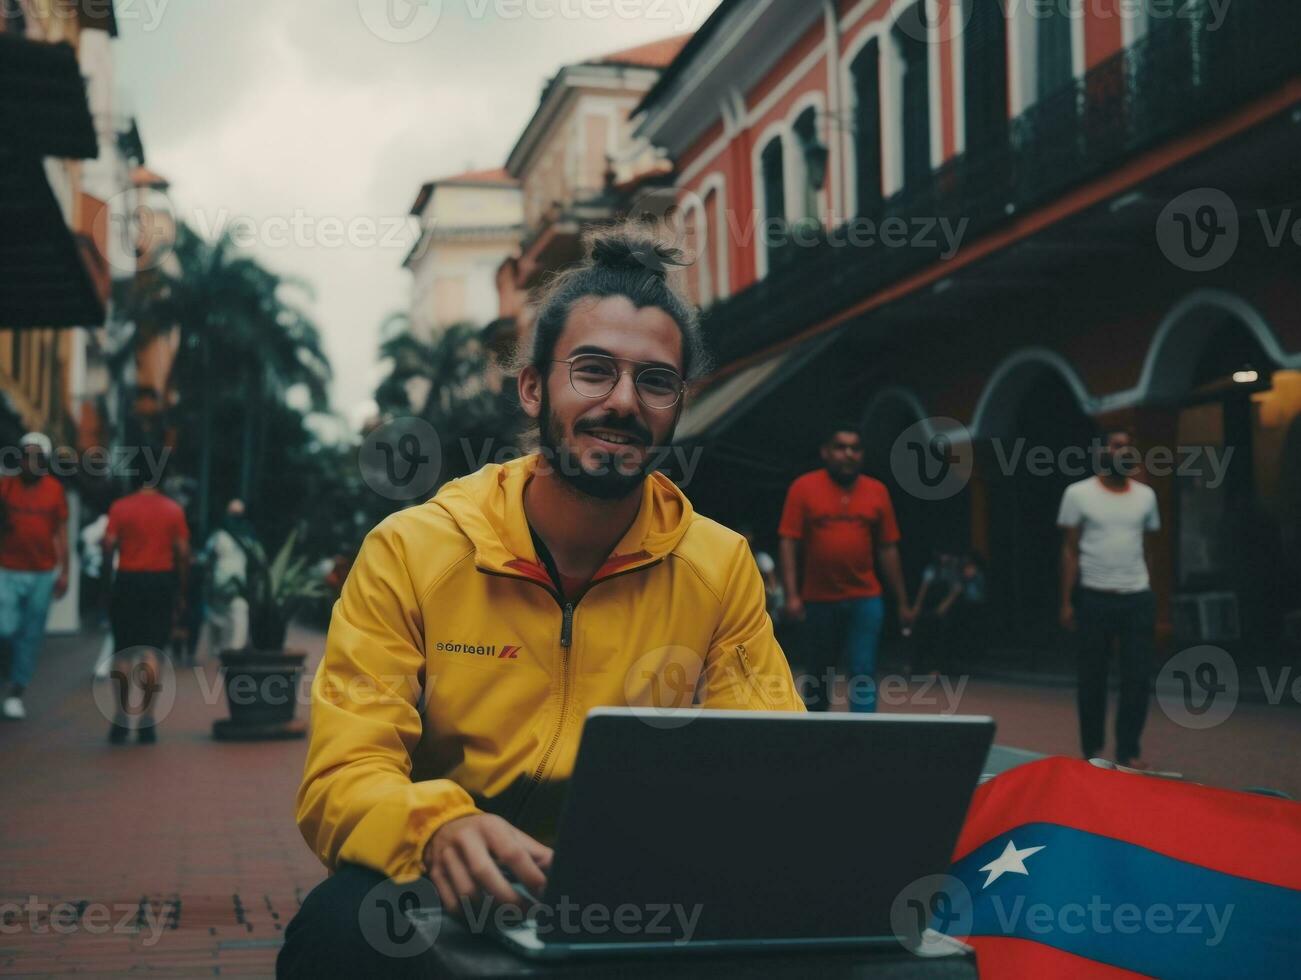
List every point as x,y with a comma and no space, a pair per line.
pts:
149,533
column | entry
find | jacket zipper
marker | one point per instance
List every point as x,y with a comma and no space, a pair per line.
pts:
566,645
566,641
747,668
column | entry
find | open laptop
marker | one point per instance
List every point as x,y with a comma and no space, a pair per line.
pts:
703,830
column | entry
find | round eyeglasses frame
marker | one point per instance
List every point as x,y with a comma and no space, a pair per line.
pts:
678,388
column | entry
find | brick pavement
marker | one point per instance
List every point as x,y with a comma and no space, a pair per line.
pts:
1258,745
182,858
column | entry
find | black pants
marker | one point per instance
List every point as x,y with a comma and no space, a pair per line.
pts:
1128,620
141,609
356,924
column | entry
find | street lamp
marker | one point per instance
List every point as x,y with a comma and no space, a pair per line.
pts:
815,163
1248,375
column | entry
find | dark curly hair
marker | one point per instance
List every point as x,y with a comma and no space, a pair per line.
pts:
625,260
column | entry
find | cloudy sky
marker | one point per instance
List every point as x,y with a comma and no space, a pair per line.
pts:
313,125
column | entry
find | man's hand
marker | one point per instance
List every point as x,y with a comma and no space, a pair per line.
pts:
794,609
464,859
1067,617
61,584
907,615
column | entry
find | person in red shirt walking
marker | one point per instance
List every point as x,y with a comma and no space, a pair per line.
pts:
844,524
149,533
33,562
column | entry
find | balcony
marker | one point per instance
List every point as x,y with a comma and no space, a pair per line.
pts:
1177,78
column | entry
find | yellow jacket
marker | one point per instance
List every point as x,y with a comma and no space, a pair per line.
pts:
455,680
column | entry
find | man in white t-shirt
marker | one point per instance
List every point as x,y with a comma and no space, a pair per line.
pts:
1107,595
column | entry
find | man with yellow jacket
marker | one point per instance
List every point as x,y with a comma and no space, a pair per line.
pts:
475,631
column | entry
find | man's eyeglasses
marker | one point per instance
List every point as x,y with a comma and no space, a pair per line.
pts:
596,375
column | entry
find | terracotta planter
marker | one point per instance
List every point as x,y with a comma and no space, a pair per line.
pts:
262,692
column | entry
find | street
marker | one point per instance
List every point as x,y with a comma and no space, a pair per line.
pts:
182,858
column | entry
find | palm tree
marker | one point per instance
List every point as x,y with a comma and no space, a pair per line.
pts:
442,380
244,342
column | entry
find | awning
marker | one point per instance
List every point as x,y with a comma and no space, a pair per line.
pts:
710,412
43,108
45,280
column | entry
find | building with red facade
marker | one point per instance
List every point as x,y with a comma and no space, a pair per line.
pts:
579,163
982,230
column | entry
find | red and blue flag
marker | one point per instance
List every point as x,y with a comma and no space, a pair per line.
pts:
1067,870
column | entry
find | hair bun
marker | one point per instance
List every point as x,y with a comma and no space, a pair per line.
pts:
620,250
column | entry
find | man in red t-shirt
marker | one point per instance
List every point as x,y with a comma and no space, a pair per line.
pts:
33,562
844,524
149,533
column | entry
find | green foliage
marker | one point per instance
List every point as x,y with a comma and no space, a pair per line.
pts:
245,342
472,421
276,590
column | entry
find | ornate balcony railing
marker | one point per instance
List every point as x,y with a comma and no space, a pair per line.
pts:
1183,73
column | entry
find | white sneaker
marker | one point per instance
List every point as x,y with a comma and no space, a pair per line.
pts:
13,709
105,659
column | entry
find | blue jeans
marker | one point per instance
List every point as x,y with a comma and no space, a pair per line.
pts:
24,603
848,630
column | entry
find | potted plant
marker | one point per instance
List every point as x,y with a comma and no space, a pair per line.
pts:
261,680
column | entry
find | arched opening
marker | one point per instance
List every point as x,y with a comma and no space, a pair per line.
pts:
910,35
1233,411
812,162
925,525
984,76
1039,415
716,240
696,274
1289,499
773,176
866,74
1053,48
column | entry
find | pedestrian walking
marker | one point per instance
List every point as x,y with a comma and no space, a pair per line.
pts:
1107,595
95,585
147,531
837,530
228,549
33,563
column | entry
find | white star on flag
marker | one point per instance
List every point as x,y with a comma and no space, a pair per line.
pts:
1011,861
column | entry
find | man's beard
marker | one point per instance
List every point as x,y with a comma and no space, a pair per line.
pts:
1119,465
843,475
614,481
